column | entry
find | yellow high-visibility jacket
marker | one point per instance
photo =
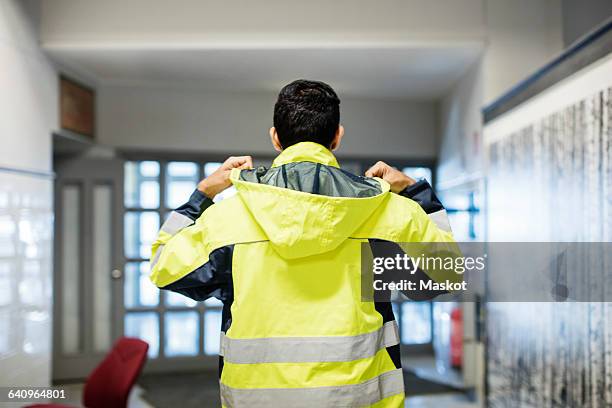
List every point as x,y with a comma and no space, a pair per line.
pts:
284,256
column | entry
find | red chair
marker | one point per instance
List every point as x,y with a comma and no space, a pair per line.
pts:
109,384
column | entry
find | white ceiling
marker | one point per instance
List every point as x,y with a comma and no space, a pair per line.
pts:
394,72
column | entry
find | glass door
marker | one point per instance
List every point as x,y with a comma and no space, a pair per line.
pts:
87,263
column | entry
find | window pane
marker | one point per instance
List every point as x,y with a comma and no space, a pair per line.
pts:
149,194
181,180
212,331
211,302
142,184
179,192
71,267
209,168
416,323
176,299
149,168
138,289
140,232
182,334
182,169
102,265
145,326
460,224
418,173
454,201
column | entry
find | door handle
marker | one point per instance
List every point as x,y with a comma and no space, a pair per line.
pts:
116,274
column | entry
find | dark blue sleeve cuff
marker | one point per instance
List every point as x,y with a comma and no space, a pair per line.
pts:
198,202
423,194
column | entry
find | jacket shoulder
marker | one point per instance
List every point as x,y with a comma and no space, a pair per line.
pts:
228,222
397,219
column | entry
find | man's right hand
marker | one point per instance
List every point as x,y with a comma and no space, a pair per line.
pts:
220,179
396,179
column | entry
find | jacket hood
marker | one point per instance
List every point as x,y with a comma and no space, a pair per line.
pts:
300,224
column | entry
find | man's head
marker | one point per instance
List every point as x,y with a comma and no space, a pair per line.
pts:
307,111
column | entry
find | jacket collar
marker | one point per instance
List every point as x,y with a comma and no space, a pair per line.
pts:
306,151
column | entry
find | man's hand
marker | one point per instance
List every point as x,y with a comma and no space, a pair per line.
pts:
219,180
391,175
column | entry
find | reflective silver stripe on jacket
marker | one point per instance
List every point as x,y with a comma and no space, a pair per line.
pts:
157,255
440,218
309,349
176,222
221,342
353,395
172,226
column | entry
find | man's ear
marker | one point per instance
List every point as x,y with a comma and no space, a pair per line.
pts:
338,138
274,138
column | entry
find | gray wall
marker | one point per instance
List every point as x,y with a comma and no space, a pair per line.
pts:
581,16
28,96
522,36
196,121
460,129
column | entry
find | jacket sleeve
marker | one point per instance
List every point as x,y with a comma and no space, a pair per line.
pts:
423,194
176,242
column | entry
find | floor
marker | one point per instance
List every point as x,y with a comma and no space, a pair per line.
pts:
425,367
451,400
74,393
189,389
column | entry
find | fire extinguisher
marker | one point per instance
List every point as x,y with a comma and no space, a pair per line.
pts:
456,337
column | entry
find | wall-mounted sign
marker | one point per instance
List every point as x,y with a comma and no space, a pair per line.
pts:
77,107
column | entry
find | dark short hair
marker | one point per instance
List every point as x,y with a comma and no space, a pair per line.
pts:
306,111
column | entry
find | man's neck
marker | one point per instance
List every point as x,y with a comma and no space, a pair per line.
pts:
306,151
